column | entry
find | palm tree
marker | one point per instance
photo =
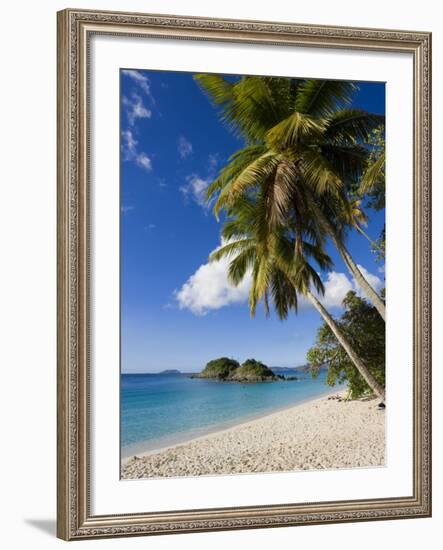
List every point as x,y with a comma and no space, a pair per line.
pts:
373,178
349,219
278,259
372,183
358,220
302,144
374,173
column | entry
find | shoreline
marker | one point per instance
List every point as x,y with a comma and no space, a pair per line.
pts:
322,433
222,428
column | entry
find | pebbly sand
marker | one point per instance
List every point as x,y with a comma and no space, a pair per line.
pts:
327,433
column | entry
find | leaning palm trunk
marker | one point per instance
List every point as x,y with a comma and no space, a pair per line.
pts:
359,278
374,244
352,266
361,367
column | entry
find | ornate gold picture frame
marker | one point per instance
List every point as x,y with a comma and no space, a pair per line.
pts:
75,29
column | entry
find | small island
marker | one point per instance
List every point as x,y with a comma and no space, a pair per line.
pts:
225,369
254,371
219,369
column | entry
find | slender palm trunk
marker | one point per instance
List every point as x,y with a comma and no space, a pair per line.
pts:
374,244
351,265
360,365
359,277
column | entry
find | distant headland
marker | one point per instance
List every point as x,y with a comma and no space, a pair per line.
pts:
170,371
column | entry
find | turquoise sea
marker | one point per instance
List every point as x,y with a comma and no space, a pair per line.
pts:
158,410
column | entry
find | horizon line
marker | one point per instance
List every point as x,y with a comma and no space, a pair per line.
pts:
197,371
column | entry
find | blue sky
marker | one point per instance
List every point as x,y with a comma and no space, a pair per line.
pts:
176,310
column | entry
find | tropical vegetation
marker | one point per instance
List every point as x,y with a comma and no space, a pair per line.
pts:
365,331
295,184
230,370
254,371
220,368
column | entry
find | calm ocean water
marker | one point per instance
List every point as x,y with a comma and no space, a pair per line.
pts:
158,410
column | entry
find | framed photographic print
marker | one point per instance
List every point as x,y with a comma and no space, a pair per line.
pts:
243,274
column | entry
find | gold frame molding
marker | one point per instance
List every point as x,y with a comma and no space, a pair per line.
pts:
74,519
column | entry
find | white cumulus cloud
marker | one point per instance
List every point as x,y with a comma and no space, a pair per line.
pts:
209,288
337,285
372,279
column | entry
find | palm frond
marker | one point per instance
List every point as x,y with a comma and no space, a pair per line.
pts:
253,298
261,279
240,265
218,89
284,295
231,249
372,174
236,163
251,105
322,98
256,107
319,173
223,200
234,230
298,127
254,174
241,219
351,126
306,277
348,161
283,91
316,252
315,279
278,192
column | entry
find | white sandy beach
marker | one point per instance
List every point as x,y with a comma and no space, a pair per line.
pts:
321,434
